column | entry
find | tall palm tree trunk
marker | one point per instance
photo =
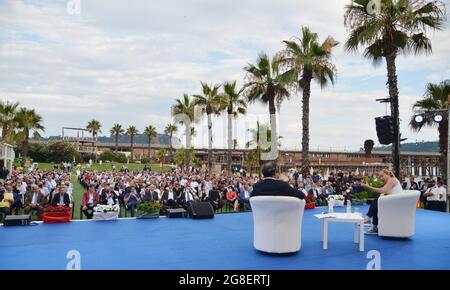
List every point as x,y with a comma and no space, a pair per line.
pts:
25,143
273,128
393,94
443,143
132,147
170,146
307,77
230,139
4,132
117,142
210,140
188,146
149,147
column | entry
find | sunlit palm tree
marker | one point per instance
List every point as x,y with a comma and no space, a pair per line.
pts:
396,26
117,130
236,105
305,59
185,107
170,130
266,84
151,133
436,98
211,103
7,114
94,127
27,120
132,131
261,131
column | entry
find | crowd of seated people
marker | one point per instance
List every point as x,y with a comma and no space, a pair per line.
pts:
171,190
34,190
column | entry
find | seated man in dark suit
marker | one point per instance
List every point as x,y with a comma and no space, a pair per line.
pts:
270,186
61,197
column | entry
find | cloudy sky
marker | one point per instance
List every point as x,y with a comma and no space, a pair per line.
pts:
127,61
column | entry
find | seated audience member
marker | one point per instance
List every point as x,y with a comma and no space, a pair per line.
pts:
150,194
315,192
168,197
61,197
270,186
189,196
108,196
214,198
34,201
232,198
90,200
244,196
436,197
7,200
131,199
391,186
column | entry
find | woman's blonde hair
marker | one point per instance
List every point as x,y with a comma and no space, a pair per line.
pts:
388,172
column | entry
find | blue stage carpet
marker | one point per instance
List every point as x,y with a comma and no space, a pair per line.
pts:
226,242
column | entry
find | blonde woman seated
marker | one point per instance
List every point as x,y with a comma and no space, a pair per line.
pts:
391,186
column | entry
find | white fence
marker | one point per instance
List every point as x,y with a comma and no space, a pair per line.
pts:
7,155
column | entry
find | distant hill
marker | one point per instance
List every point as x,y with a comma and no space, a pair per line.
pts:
432,147
161,139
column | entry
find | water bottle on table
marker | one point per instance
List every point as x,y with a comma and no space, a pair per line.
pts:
349,206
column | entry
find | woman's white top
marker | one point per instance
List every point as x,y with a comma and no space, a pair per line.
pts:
396,189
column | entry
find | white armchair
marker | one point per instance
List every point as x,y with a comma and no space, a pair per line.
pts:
397,214
277,222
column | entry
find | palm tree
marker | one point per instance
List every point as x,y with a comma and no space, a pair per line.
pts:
7,118
161,156
170,130
399,26
261,131
27,120
117,130
185,107
265,83
236,105
305,59
211,103
436,98
36,135
132,131
150,132
94,127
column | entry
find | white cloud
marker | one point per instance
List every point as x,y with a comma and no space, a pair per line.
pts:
126,61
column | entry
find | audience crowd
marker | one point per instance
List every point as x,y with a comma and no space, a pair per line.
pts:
35,189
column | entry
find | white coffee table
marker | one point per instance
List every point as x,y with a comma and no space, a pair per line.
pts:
355,218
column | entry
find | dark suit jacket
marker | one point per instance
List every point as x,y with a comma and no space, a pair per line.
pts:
150,196
56,199
274,187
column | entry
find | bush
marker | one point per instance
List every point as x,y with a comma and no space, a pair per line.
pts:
113,156
56,152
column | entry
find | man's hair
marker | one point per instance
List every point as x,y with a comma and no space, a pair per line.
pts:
269,169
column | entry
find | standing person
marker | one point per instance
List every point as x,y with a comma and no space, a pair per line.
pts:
391,186
4,172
